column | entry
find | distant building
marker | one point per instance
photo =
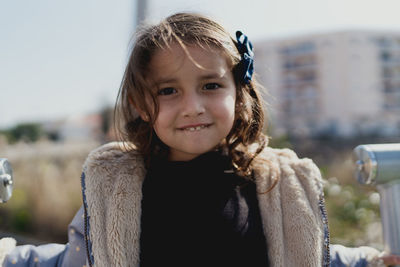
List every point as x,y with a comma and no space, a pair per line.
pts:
342,84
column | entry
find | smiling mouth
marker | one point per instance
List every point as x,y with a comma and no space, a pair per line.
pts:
193,128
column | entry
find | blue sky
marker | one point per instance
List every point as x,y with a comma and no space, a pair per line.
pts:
62,58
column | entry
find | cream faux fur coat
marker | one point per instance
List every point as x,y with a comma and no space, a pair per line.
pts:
292,213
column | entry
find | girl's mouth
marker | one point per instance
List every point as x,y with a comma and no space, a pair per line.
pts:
192,128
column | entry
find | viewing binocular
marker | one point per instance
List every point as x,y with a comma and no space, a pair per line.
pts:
379,165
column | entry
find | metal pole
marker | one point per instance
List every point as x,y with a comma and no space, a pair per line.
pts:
141,11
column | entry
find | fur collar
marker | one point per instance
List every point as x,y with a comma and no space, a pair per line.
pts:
291,215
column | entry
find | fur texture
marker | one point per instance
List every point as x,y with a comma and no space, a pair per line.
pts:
290,213
114,179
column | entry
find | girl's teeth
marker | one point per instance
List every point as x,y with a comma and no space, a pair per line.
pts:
192,129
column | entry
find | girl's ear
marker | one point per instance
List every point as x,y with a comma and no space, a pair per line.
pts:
142,114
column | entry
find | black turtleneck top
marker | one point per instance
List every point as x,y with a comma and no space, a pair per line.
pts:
199,213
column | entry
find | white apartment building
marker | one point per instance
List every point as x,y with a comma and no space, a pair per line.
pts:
339,83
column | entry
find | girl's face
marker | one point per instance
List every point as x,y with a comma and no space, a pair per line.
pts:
196,98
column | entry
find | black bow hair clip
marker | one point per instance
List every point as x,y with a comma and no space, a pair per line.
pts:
245,67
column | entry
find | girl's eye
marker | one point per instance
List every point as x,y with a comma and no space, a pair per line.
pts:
167,91
211,86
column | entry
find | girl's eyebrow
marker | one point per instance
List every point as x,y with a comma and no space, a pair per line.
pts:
208,76
164,80
212,76
215,74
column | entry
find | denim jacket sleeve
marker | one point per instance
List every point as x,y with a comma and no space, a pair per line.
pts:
52,255
355,257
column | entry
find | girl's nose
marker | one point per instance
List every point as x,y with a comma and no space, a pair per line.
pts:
192,105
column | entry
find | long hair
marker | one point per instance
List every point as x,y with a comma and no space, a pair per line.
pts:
244,141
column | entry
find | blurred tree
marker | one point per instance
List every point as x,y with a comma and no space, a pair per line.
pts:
28,132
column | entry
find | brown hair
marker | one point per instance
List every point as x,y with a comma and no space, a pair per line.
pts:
186,29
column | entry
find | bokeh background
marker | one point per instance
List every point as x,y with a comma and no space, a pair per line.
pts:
61,65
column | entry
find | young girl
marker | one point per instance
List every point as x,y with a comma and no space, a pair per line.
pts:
195,183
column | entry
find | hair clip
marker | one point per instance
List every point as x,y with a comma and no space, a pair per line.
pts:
245,68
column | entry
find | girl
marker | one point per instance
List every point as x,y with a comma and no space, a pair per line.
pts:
195,183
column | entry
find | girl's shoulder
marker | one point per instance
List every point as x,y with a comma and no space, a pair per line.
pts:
282,158
274,164
112,157
113,151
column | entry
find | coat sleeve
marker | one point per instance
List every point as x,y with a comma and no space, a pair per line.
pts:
49,255
363,256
